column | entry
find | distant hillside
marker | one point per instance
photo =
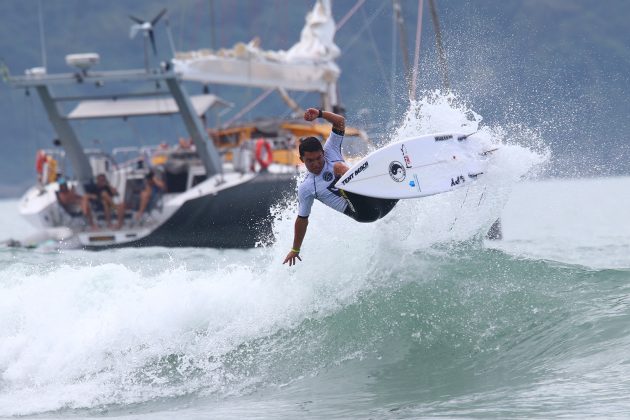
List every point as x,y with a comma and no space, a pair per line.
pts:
560,67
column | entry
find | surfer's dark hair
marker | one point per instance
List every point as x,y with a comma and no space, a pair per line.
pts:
310,144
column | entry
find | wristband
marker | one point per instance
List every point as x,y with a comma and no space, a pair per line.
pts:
321,114
296,250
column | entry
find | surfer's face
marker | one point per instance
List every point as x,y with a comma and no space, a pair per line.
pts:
314,161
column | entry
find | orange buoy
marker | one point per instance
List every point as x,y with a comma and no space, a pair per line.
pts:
268,159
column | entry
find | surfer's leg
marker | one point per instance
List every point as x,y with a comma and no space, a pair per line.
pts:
385,205
367,209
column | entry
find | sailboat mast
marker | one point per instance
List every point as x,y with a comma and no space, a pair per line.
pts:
213,31
416,57
440,45
41,34
403,38
412,75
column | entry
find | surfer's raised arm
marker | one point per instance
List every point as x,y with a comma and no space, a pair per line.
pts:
338,121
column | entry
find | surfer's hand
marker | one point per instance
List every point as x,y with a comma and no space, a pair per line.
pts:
311,114
291,256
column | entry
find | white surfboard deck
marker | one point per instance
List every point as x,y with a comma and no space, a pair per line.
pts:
418,167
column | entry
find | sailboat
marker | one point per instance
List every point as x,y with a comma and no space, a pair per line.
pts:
220,183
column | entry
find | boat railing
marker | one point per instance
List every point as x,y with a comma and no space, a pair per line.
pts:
129,157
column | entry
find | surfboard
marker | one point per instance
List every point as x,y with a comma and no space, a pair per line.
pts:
418,167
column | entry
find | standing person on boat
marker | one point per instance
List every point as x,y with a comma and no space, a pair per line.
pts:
325,165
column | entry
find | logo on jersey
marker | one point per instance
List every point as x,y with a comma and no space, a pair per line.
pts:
397,171
328,176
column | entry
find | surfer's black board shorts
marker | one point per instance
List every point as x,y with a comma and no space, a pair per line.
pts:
367,209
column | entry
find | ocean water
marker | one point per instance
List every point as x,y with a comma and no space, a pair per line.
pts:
414,316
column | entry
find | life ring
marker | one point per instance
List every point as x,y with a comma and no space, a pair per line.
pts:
40,159
260,144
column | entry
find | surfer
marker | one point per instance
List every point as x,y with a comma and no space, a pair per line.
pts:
325,165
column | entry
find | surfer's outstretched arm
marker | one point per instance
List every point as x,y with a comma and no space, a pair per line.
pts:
300,230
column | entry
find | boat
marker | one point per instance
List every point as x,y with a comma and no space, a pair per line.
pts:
221,182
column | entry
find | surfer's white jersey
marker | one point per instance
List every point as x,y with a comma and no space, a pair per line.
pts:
322,186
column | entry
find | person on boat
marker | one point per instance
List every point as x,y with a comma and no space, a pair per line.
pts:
46,167
325,165
153,190
160,155
185,144
74,203
102,195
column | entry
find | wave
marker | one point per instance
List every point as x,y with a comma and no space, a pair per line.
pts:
96,337
99,331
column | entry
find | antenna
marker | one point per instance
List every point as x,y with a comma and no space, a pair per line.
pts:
146,27
41,32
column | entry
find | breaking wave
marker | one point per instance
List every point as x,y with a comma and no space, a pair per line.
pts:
100,332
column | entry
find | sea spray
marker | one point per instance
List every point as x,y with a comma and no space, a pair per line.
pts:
452,217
